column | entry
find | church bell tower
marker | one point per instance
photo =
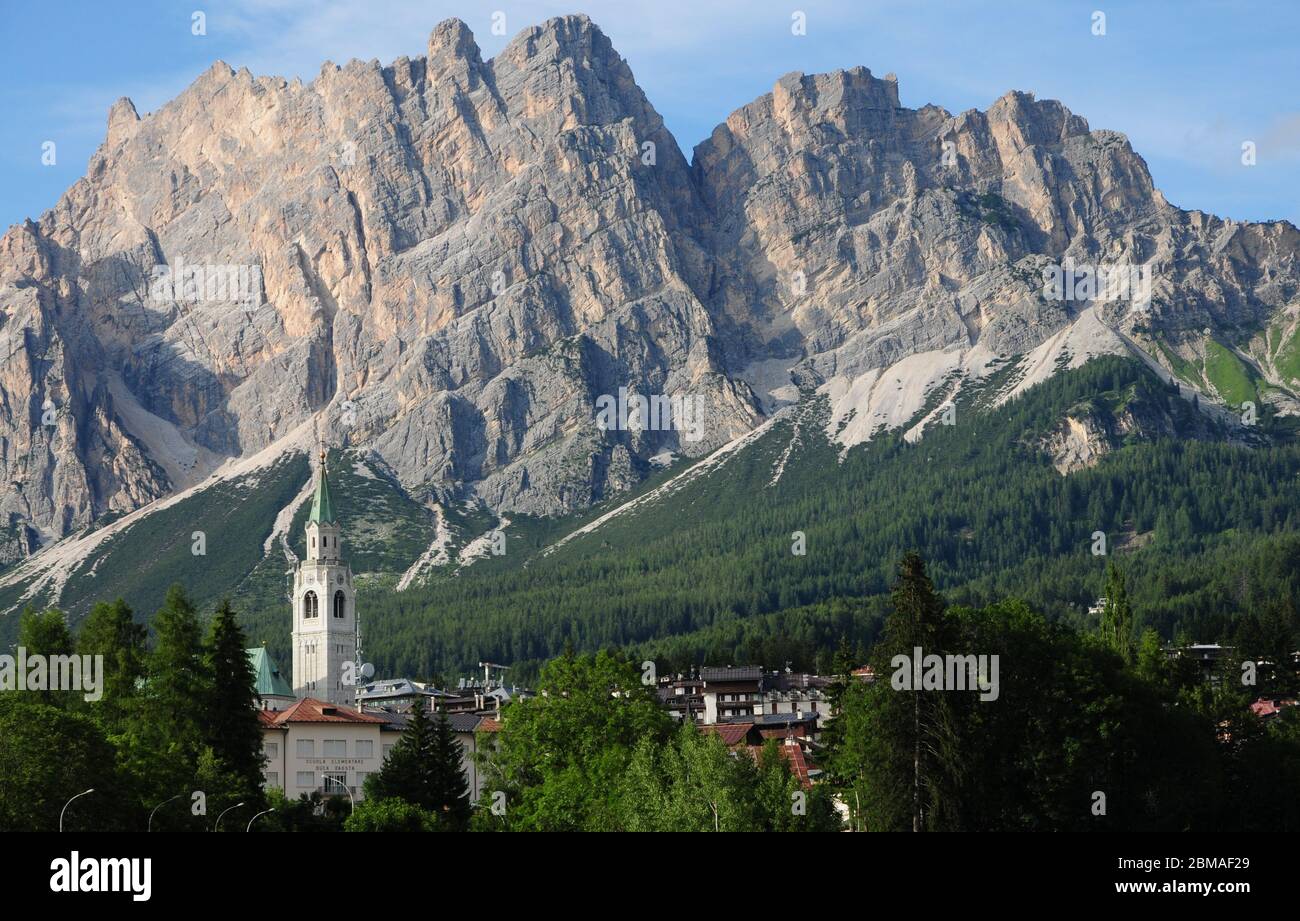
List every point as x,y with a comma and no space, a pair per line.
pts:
324,606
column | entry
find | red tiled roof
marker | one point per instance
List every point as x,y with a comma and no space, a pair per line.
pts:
730,733
311,710
798,764
1268,707
488,724
793,754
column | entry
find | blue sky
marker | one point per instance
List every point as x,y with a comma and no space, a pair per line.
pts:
1187,80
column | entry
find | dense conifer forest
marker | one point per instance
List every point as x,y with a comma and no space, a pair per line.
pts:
1204,524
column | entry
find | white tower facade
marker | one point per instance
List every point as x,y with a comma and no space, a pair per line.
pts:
324,607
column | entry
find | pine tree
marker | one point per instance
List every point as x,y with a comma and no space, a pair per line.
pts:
46,634
449,788
405,770
424,769
165,734
111,631
231,723
833,733
924,719
177,679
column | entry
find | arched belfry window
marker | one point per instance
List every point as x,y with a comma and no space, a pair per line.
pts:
310,606
340,603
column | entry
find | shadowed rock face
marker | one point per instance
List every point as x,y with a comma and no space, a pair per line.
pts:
449,260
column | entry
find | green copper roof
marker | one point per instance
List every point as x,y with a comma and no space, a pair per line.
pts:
269,681
322,506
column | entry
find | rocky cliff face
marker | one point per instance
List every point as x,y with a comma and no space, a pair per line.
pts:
451,261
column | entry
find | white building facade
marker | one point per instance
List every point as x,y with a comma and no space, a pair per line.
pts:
318,746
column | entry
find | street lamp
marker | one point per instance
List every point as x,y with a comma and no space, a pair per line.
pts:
345,790
149,827
256,817
68,803
217,827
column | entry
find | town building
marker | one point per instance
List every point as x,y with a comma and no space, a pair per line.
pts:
740,693
1207,657
315,746
683,697
330,728
394,693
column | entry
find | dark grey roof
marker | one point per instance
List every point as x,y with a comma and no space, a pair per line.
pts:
771,719
392,687
740,673
465,722
460,722
796,681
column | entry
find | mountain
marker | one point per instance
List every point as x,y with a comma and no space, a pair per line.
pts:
446,267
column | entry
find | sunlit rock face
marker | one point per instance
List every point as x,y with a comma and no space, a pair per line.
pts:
450,261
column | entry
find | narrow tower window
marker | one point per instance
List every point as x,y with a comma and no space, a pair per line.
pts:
310,607
340,603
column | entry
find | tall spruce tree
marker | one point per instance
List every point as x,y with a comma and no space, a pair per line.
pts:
110,631
404,772
165,734
450,789
178,682
918,721
232,728
424,769
45,633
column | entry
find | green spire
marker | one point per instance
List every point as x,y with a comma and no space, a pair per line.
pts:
322,507
269,680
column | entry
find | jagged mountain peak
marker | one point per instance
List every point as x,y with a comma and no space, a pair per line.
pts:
448,261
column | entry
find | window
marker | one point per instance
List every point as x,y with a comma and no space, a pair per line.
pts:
272,779
365,749
387,749
361,779
273,749
306,748
336,748
310,607
340,603
334,782
307,779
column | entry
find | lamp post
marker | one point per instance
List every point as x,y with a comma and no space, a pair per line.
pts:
68,803
149,827
345,790
256,817
217,827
